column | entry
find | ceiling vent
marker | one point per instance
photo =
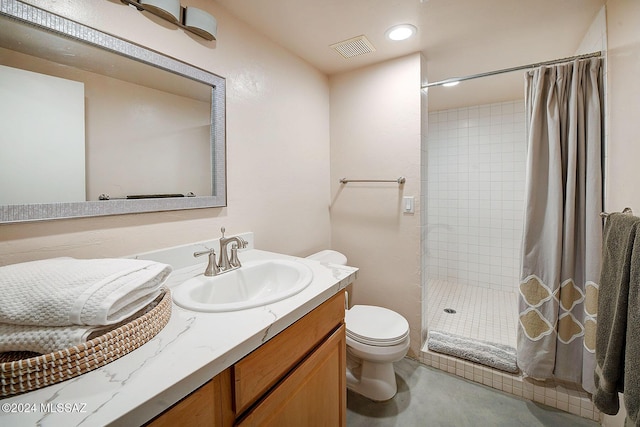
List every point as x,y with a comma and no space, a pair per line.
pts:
353,47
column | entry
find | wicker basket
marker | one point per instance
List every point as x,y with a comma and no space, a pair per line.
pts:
21,372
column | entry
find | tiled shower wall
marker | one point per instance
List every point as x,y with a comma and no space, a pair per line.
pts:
475,174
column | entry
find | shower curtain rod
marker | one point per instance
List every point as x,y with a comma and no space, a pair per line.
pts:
508,70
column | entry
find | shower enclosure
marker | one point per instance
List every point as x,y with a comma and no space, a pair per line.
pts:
474,161
475,176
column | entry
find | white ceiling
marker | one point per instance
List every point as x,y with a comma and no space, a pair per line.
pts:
457,37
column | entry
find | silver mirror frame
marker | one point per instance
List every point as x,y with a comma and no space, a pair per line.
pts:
46,21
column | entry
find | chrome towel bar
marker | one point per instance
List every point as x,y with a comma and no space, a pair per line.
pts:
400,180
625,210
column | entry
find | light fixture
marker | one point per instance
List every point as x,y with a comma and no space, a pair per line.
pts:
191,19
200,22
166,9
401,32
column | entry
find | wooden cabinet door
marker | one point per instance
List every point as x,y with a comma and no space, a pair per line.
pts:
261,370
209,406
314,394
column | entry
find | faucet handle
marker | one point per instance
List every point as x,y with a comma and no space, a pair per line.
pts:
207,252
235,261
212,267
222,230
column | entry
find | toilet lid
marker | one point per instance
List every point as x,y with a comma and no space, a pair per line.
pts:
329,256
376,325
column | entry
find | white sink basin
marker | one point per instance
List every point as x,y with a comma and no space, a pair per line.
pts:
254,284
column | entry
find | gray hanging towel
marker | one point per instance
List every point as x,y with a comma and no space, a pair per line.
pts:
617,345
632,345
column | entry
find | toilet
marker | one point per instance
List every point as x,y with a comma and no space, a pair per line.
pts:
376,337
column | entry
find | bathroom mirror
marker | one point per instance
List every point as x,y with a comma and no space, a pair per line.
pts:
95,125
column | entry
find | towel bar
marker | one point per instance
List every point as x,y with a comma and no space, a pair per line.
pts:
605,215
400,180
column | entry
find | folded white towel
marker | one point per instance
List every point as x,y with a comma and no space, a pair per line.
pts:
43,339
68,291
47,339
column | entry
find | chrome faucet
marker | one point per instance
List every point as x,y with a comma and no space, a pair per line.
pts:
224,264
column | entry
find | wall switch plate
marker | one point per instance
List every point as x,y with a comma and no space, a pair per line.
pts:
408,204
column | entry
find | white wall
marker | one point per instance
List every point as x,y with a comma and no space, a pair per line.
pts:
277,147
623,106
375,134
475,175
43,127
120,129
175,133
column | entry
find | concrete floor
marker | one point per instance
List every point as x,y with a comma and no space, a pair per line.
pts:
430,397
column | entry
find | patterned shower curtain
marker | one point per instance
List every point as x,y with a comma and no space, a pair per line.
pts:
562,239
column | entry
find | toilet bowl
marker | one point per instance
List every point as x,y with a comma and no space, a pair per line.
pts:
376,337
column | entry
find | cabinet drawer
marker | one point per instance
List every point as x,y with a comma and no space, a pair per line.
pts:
262,369
315,393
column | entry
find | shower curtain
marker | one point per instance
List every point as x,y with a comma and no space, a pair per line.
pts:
562,239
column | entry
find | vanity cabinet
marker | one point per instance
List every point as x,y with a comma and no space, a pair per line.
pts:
311,395
210,405
296,378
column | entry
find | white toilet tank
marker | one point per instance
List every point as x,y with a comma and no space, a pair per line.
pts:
330,256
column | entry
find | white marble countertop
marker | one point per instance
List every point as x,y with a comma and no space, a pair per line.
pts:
189,351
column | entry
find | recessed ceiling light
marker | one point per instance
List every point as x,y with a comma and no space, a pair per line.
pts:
401,32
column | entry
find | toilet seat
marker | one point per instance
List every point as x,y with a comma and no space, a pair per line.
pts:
376,326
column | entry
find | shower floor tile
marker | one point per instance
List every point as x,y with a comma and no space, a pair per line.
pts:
480,313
